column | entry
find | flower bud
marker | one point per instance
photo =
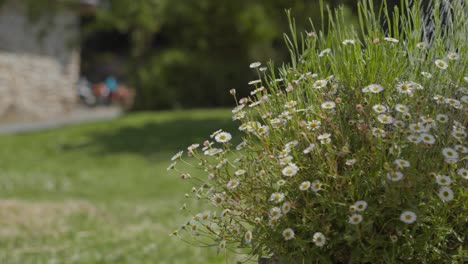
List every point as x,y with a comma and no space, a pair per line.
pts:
359,107
243,100
232,91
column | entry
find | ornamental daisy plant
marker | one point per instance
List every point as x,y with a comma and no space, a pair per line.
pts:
353,152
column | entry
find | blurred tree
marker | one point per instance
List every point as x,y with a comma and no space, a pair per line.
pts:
207,47
189,53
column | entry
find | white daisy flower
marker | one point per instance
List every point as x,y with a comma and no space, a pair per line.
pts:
290,104
285,160
408,217
216,133
461,149
263,130
238,108
192,147
453,102
463,173
439,99
222,245
395,176
304,186
421,45
291,144
232,184
414,139
405,87
203,217
462,90
348,41
212,151
399,124
360,205
218,199
453,56
446,194
177,155
428,121
324,52
442,118
313,125
171,166
254,82
373,88
328,105
443,180
273,222
255,103
275,213
223,137
248,237
378,132
350,162
392,40
402,163
316,186
277,197
417,128
239,115
355,219
319,239
239,172
378,108
309,148
458,134
262,69
241,145
385,119
281,182
288,234
324,138
257,90
427,138
254,65
286,207
401,108
224,213
193,228
290,170
417,86
319,84
426,74
464,99
449,153
441,64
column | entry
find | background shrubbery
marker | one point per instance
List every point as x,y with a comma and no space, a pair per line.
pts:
190,53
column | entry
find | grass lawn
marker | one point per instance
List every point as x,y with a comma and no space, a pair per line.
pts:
99,192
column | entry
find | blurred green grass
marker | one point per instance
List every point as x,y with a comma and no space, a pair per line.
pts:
99,192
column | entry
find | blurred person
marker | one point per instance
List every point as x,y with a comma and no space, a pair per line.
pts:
101,92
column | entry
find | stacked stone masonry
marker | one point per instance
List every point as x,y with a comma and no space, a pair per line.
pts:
37,72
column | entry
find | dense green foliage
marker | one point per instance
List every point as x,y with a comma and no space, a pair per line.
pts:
98,193
189,53
355,152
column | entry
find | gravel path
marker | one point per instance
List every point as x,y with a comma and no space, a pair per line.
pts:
78,116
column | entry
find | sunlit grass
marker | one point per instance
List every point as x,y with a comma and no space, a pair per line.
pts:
99,193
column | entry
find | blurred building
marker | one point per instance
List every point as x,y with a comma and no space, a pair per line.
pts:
39,62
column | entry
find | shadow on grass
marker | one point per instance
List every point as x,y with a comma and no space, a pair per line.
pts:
154,137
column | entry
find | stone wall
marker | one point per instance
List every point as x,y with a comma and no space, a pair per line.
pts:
37,73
